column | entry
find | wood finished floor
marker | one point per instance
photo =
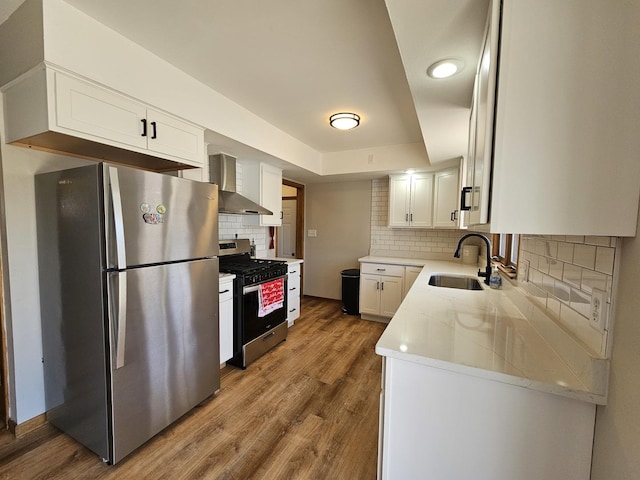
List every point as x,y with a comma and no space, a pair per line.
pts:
306,410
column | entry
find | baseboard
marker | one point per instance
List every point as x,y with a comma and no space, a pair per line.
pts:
26,427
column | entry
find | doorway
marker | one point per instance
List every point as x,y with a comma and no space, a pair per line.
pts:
290,236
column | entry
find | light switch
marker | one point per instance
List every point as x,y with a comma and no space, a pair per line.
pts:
312,233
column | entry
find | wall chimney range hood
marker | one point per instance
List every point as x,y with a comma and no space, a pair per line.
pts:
222,171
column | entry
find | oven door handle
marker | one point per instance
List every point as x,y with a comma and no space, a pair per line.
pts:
254,288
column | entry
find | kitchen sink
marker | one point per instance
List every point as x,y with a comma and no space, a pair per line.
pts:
454,281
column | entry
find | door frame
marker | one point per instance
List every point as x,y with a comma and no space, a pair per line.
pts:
299,225
299,215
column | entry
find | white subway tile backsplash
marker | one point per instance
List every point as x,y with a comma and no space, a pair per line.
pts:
591,280
565,252
580,302
572,275
543,264
584,255
556,269
574,239
604,260
601,241
574,265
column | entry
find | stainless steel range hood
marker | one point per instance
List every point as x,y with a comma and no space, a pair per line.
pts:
222,171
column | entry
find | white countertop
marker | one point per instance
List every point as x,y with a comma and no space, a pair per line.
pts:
479,333
226,277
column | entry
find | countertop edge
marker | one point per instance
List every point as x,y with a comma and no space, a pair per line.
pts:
537,385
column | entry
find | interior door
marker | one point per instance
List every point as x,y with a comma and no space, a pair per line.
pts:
171,350
287,234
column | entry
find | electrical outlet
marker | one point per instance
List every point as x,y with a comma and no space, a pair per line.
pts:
599,309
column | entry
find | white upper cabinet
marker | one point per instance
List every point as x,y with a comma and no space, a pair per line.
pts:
262,183
565,143
48,103
446,194
411,200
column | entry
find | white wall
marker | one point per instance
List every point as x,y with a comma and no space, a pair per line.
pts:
341,215
616,453
26,382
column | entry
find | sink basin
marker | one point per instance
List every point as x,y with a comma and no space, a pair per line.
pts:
452,281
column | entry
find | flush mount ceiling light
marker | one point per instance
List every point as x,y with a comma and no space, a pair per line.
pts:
344,121
445,68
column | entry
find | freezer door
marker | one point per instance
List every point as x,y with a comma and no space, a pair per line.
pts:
155,218
164,356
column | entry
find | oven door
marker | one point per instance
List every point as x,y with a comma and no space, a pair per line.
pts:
253,324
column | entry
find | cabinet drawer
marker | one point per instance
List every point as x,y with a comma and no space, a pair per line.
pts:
293,283
293,308
383,269
225,291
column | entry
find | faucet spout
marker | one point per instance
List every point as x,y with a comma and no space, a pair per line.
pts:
487,272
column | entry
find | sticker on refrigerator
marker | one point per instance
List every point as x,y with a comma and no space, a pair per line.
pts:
153,218
145,207
161,209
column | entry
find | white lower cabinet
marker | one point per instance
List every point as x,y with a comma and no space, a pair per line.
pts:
410,275
441,424
293,293
381,289
226,317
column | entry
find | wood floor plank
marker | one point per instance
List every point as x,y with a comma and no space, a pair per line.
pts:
308,409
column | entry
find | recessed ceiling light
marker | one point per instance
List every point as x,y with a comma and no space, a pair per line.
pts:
445,68
344,121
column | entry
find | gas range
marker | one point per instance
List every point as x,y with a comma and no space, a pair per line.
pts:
258,327
251,270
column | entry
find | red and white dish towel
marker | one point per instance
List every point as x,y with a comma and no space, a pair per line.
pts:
270,297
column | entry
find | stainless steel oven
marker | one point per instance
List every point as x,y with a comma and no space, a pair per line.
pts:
257,329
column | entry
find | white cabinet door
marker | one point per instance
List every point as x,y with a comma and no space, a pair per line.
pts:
370,294
101,113
381,289
226,320
399,200
445,198
390,295
172,136
410,275
483,114
108,117
410,200
262,183
420,214
271,194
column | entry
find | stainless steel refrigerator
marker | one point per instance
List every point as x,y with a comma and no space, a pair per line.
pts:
129,299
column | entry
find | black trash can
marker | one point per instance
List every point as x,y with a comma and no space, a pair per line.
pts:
351,291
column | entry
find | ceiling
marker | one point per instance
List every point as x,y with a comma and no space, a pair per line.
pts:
294,63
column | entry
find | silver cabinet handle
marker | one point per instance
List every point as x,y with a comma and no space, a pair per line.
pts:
224,291
381,269
118,219
382,286
377,285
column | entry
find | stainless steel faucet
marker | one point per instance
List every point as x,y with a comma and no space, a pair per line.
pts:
487,273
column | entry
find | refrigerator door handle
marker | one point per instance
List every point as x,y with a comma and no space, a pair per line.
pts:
121,321
118,218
